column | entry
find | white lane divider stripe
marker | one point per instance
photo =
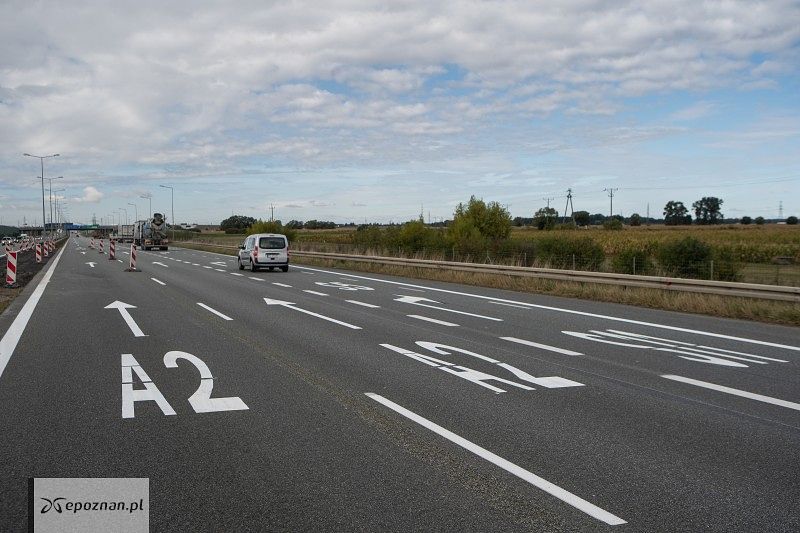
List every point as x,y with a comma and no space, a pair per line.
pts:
542,346
9,341
281,284
255,278
315,292
220,270
208,267
158,281
207,308
735,392
538,482
364,304
433,320
236,274
563,310
510,305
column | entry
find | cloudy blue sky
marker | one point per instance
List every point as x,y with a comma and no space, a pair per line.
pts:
354,110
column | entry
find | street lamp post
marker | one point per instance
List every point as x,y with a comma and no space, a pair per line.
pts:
126,215
149,197
172,202
56,214
41,160
50,188
136,211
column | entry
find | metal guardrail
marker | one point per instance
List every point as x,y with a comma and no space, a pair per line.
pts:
728,288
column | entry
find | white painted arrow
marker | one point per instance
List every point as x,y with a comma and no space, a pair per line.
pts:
416,300
162,264
84,253
291,305
122,307
91,264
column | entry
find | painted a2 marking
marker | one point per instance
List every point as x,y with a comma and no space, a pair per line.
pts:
201,401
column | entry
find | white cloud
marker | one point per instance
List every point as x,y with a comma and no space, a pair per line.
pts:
90,195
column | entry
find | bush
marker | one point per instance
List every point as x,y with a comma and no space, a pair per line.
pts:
747,220
612,224
760,221
792,220
685,258
265,226
633,261
235,231
559,252
726,267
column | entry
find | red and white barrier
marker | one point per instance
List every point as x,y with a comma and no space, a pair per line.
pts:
91,243
101,247
112,250
11,268
132,266
38,252
45,248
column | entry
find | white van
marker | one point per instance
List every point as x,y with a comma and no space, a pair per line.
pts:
264,250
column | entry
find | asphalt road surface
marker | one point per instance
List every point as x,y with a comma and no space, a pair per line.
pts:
327,400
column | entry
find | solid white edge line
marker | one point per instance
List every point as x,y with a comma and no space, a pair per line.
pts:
570,311
371,306
433,320
207,308
158,281
542,346
538,482
735,392
9,341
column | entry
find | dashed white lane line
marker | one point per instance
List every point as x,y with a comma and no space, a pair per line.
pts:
364,304
204,306
255,278
220,270
315,292
548,487
542,346
236,274
281,284
208,267
120,260
433,320
735,392
158,281
195,265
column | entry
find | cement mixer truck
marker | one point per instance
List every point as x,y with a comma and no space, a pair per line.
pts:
151,233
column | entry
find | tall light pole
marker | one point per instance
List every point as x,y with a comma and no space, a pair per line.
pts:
57,217
126,215
172,201
50,181
149,197
136,211
41,160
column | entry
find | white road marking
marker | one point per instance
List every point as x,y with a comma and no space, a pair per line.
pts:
315,292
414,290
195,265
364,304
542,346
291,305
207,308
162,264
255,278
120,260
427,319
220,270
91,264
9,341
415,300
158,281
510,305
236,274
561,310
281,284
122,307
208,267
735,392
538,482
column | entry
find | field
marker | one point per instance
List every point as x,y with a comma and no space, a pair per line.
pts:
767,254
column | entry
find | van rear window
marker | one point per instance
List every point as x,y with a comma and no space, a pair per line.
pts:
272,243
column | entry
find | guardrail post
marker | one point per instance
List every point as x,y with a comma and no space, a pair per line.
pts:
634,265
573,261
711,273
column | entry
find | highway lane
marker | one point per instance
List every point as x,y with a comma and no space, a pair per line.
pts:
314,450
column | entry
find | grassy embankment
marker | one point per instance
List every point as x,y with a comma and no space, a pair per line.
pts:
756,245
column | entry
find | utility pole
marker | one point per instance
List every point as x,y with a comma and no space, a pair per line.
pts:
611,196
648,213
271,212
569,204
548,201
780,210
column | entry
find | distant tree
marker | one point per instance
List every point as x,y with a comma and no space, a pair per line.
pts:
760,221
295,224
708,210
492,220
545,218
747,220
582,218
675,214
596,219
236,222
792,220
636,219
